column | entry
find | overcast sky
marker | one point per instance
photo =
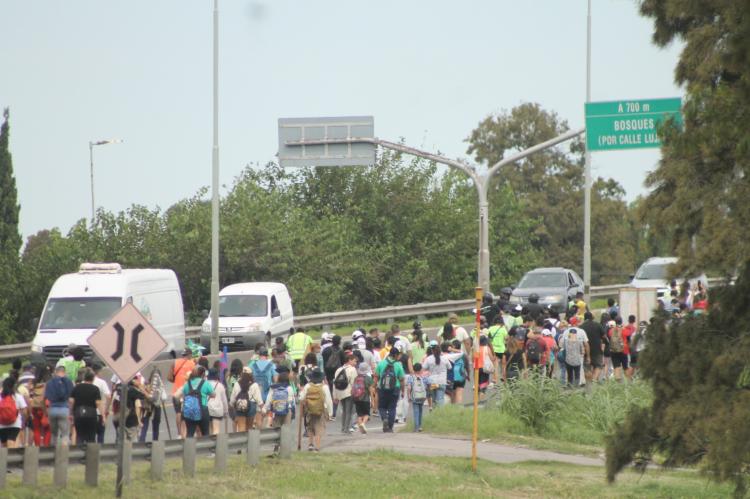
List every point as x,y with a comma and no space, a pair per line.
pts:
427,70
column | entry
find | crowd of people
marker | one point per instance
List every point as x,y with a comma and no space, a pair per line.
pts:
392,376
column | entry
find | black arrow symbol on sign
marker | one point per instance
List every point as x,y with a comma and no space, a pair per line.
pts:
134,343
120,341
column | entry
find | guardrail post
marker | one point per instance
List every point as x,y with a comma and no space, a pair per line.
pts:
61,465
220,453
30,465
188,456
286,441
253,447
92,464
3,466
157,460
127,460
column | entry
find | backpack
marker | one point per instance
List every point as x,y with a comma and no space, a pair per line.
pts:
261,376
71,369
534,351
617,343
388,379
314,400
334,360
341,381
57,390
8,410
359,388
280,401
215,407
418,390
37,396
191,406
244,406
458,370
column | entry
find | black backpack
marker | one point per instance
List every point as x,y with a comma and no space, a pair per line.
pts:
388,379
334,359
534,351
341,381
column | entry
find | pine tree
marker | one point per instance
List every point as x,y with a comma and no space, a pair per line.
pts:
10,238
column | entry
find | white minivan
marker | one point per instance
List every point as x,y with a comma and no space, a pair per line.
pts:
653,274
78,304
250,313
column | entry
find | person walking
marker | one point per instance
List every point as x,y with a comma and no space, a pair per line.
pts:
574,352
343,380
315,398
362,388
105,395
390,381
417,393
246,400
497,334
178,375
298,345
195,395
155,396
218,406
39,419
13,410
57,392
85,405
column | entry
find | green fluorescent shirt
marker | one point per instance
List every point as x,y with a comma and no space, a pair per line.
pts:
398,369
498,334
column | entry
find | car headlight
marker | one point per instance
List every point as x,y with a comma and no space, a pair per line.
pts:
37,348
552,299
515,299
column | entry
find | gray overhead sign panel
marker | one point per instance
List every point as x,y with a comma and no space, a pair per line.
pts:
335,141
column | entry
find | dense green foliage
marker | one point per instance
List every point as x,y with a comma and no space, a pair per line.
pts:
10,238
701,187
402,231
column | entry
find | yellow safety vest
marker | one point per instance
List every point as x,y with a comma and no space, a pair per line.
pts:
297,345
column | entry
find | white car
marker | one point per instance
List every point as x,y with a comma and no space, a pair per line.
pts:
653,273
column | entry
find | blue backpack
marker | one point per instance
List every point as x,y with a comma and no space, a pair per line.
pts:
264,377
280,400
191,406
458,370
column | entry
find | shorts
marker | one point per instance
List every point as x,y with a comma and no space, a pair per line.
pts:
216,418
633,359
316,425
597,361
459,384
177,403
619,359
362,407
8,434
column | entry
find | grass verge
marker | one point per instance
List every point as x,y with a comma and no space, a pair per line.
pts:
379,474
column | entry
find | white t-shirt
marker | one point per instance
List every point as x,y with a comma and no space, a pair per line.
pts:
462,336
20,405
104,391
439,372
403,344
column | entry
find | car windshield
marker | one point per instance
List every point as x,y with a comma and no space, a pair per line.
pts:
653,271
243,306
79,313
543,280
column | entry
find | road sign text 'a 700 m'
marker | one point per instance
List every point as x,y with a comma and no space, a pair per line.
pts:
628,124
127,342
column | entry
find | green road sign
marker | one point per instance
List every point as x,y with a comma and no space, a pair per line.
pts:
628,124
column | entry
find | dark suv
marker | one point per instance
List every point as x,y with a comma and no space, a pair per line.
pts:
554,286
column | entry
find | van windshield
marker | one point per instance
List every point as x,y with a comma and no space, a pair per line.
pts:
653,271
79,313
243,306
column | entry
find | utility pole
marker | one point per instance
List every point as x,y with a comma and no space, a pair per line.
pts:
215,193
587,175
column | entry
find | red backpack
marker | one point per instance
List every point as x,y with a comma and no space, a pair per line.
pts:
8,410
358,388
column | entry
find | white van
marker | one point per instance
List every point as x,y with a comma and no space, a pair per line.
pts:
78,304
250,313
653,274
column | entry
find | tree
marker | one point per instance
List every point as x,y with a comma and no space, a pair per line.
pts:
10,238
548,187
701,186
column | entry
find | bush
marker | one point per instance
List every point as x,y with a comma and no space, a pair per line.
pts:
535,400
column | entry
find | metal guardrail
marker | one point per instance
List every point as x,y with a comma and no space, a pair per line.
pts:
367,315
253,443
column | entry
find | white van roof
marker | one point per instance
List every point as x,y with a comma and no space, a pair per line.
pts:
108,281
252,288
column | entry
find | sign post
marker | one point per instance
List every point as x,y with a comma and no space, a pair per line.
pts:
628,124
477,365
126,343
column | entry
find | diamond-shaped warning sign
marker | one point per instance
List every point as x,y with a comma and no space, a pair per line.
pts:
127,342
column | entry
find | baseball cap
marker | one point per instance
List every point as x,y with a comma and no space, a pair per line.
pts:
263,351
326,336
433,343
452,315
357,334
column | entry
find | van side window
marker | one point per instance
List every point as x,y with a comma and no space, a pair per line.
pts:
274,305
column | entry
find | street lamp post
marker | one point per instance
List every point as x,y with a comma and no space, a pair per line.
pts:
214,343
91,163
481,181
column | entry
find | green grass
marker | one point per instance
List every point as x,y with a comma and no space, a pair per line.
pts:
379,474
545,416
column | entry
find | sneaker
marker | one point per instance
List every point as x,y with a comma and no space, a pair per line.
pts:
420,430
333,418
351,431
316,450
310,448
363,429
385,426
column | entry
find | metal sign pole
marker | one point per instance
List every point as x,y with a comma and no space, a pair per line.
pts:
121,436
477,360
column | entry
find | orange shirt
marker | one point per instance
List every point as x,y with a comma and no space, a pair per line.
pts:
181,369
